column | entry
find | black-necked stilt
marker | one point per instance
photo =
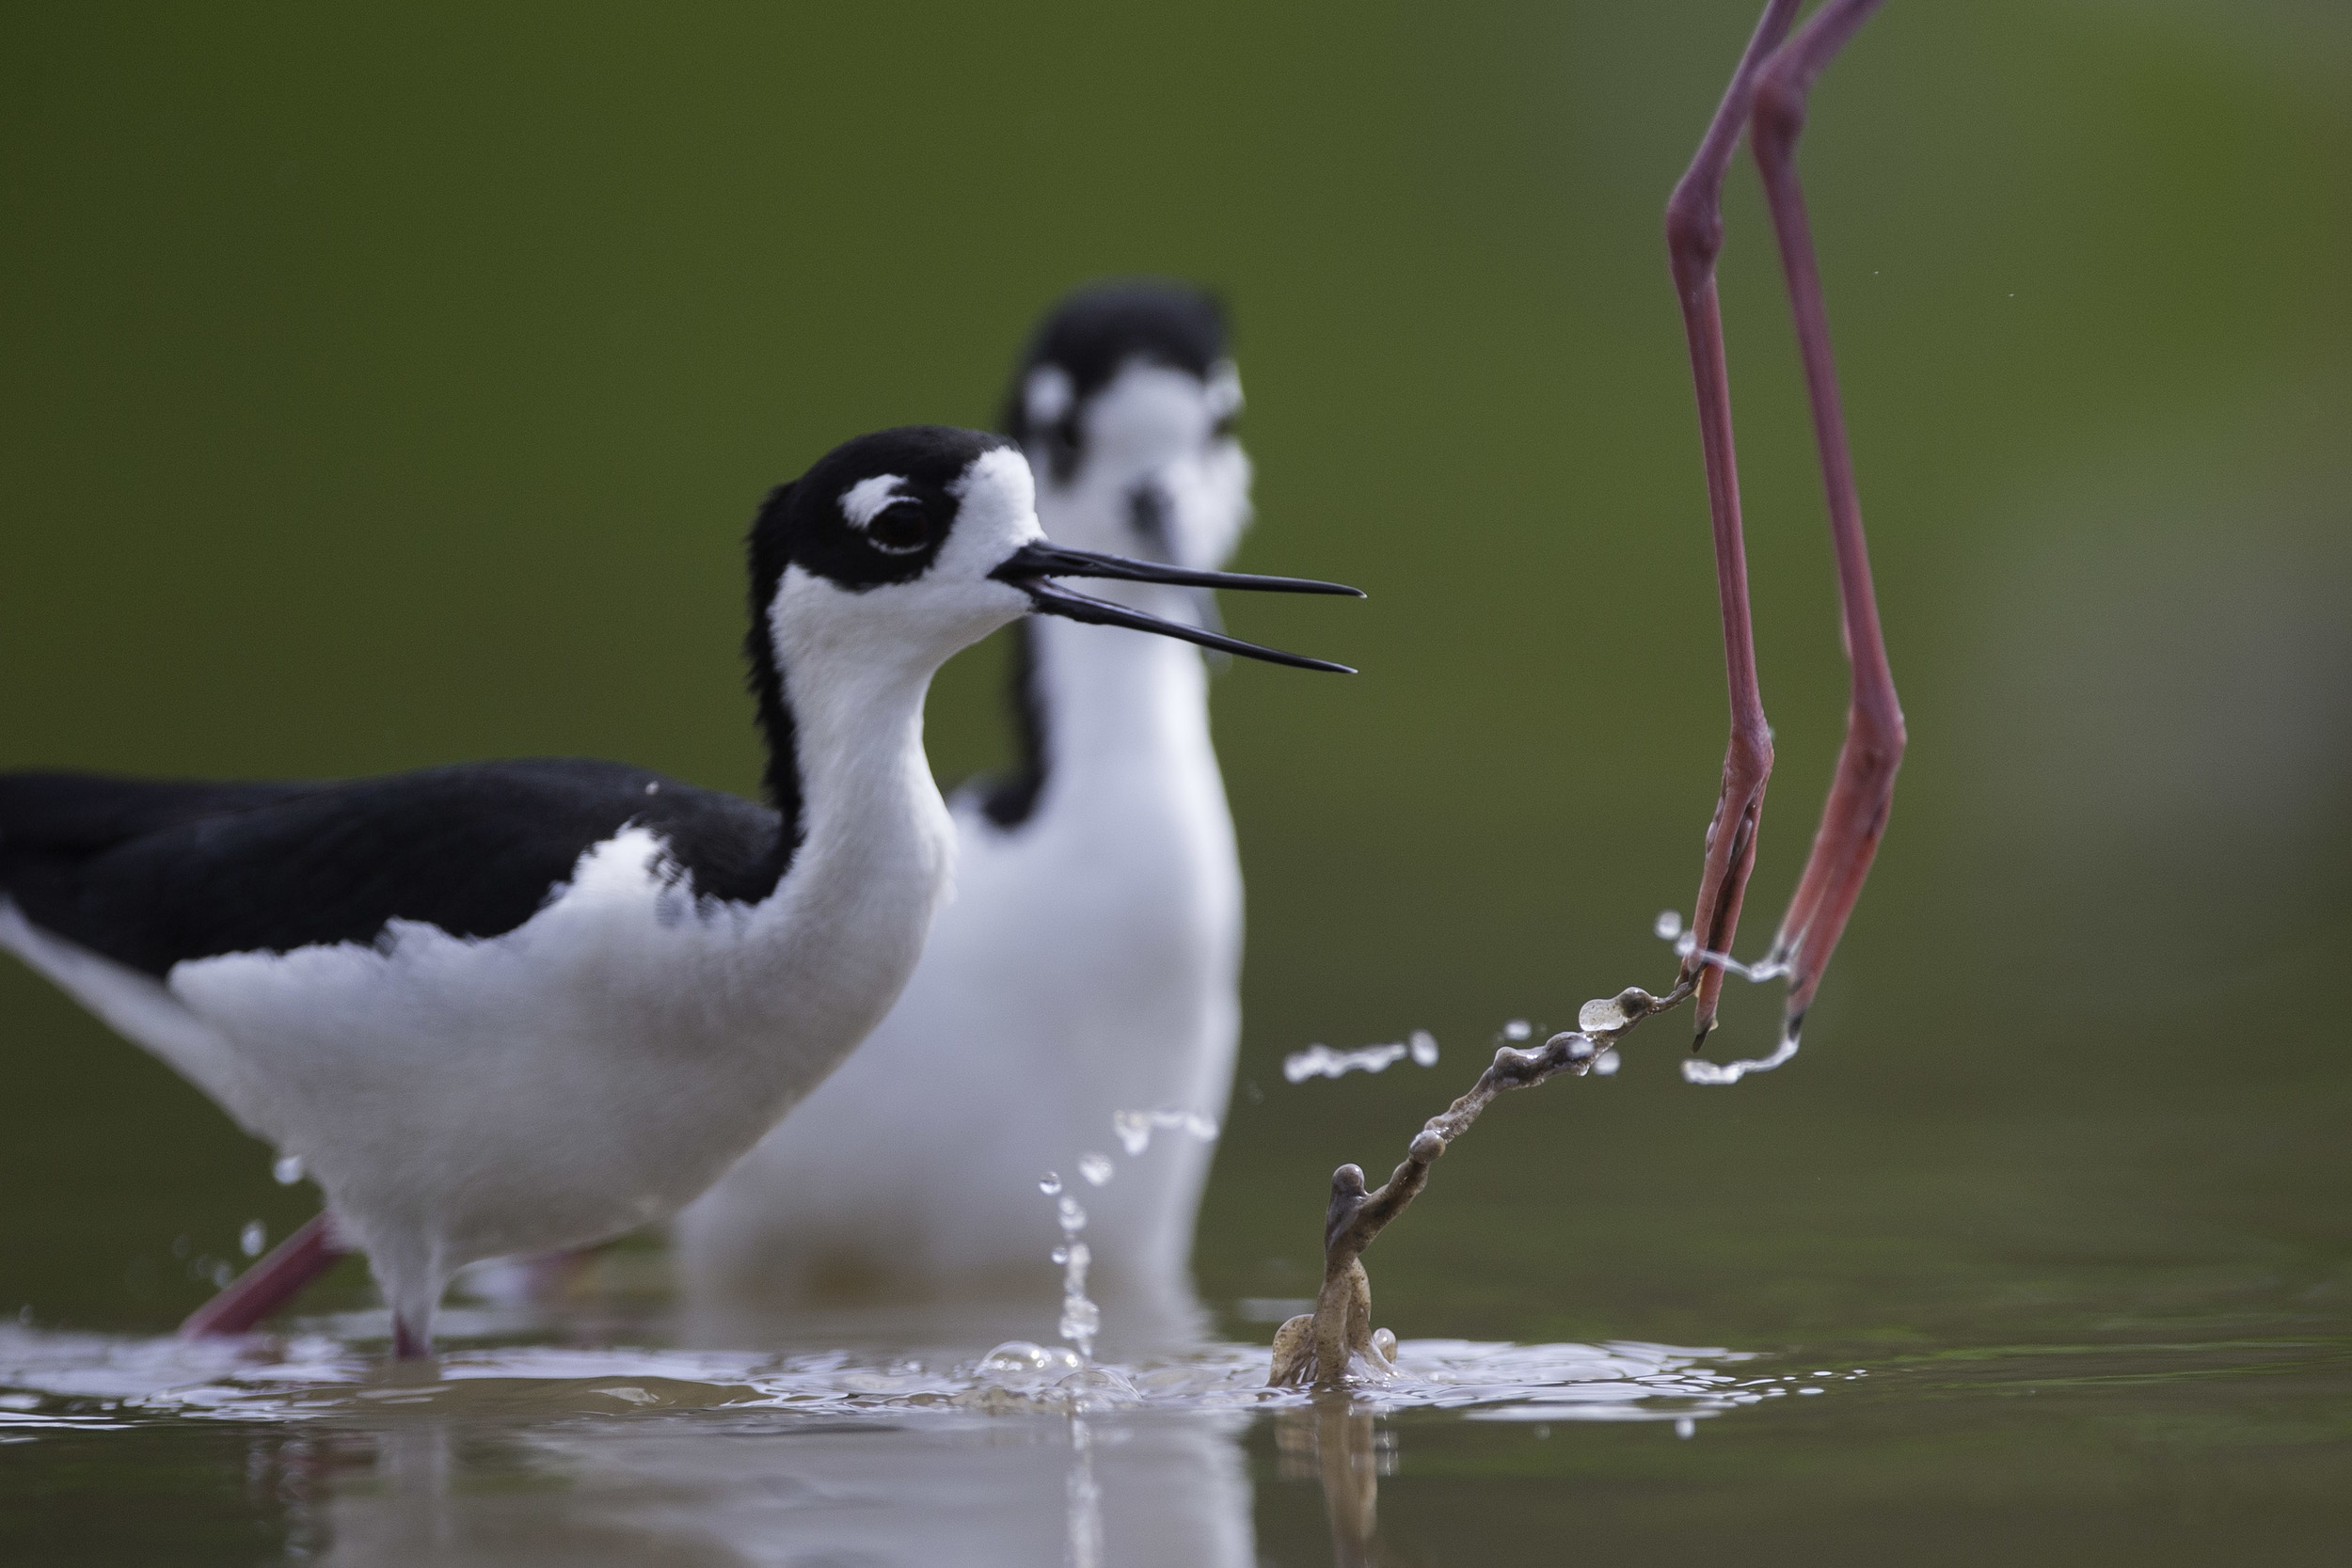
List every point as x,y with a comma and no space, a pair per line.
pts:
516,1007
1088,962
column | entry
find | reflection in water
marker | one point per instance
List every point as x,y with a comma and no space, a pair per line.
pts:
1021,1456
1083,1491
1335,1443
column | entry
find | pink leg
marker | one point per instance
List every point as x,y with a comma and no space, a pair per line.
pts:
1771,84
271,1283
407,1343
1863,788
1694,237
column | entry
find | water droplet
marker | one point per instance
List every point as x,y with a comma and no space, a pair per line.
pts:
251,1239
1423,1045
1071,1218
1134,1131
1697,1070
1096,1168
1808,1390
1050,1183
1200,1126
1669,925
222,1274
1081,1321
1684,1426
288,1170
1517,1029
1607,1064
1022,1356
1320,1061
1602,1015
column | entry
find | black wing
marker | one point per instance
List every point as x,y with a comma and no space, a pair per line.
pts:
153,873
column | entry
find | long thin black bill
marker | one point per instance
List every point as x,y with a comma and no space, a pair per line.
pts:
1051,598
1054,560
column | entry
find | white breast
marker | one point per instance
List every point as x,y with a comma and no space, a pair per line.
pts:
1088,965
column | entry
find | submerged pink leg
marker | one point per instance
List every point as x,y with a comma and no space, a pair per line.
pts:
270,1284
1863,788
409,1344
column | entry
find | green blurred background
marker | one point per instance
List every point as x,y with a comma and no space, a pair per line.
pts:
391,387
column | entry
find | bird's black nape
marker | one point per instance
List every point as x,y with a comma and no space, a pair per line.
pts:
1009,801
781,777
1091,336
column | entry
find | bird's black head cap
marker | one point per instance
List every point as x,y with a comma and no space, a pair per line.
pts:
871,512
1090,337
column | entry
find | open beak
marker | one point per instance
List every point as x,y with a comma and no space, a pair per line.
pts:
1028,567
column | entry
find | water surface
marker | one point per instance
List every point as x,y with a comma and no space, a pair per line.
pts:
392,388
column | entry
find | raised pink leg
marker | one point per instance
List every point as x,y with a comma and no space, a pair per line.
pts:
1771,86
270,1284
1863,788
1694,237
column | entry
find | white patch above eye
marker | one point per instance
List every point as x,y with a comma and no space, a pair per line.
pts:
1047,396
1223,393
863,502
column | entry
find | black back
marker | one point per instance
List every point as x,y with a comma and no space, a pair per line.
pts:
152,873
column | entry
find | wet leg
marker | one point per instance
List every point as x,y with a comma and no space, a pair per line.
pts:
1694,237
1863,788
270,1284
409,1344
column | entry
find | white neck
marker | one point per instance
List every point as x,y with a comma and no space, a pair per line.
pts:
845,924
1124,713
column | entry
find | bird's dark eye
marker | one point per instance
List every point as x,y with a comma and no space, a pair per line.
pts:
901,528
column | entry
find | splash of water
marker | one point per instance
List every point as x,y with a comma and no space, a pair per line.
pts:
1081,1319
1668,926
288,1169
1320,1061
1133,1129
1697,1069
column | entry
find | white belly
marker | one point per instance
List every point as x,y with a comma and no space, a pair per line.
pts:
1077,973
583,1074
